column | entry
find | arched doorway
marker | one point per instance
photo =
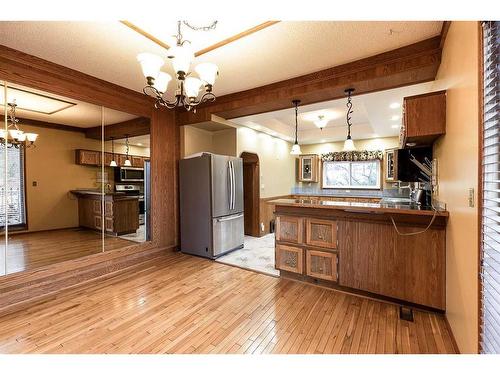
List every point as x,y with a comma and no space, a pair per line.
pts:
251,193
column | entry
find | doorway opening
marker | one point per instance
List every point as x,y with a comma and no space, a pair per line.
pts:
251,193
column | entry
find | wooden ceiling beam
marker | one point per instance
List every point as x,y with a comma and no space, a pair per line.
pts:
412,64
23,69
132,128
50,125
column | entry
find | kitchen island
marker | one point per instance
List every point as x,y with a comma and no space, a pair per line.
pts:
121,212
364,248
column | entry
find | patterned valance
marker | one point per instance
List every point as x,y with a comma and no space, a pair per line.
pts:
353,156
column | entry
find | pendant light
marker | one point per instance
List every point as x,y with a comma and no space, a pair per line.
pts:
127,161
113,161
321,122
349,144
296,147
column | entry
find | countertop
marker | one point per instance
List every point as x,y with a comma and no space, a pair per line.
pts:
99,193
396,208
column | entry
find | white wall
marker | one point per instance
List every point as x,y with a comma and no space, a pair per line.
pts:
277,166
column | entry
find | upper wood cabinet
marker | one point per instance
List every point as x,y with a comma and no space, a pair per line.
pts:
424,119
308,168
391,165
91,157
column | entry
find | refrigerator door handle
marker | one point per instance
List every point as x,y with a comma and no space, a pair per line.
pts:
230,177
229,218
234,186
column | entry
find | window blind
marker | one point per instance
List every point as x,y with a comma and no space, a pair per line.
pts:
12,195
490,208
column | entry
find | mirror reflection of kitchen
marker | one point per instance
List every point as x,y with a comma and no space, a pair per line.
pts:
53,191
126,179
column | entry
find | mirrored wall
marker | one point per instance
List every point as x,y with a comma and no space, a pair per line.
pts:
74,179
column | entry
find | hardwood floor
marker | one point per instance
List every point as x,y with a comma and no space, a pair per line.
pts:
32,250
182,304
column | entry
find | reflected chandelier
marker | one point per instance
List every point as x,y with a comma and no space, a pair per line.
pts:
188,86
13,136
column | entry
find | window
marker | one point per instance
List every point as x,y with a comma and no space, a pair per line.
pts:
12,195
351,174
490,192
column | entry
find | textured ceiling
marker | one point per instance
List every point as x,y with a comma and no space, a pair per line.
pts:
108,50
372,117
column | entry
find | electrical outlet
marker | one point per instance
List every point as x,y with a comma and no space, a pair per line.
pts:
262,228
471,197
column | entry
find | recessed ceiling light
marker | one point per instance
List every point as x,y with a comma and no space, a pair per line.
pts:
323,141
34,102
394,126
139,144
394,105
395,118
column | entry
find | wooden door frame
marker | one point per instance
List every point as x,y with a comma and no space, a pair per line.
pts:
251,158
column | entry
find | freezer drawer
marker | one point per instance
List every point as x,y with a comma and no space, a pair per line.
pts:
228,233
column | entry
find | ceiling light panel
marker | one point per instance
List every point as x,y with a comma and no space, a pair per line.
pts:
33,102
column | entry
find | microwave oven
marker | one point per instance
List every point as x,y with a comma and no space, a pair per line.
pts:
129,174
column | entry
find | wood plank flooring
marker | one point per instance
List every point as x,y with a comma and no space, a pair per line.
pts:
27,251
183,304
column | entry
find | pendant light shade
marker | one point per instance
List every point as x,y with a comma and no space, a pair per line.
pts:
296,147
113,162
349,144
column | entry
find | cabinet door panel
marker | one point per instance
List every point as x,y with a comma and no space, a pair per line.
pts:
289,258
321,233
289,228
321,264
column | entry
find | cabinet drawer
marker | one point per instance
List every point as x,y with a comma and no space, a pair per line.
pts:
96,207
321,265
321,233
98,222
108,208
289,228
108,223
289,258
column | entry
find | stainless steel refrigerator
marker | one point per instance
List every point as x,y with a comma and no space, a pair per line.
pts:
211,204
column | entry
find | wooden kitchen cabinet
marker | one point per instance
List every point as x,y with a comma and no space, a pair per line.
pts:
289,229
424,119
308,168
321,265
88,157
93,158
289,258
321,233
391,165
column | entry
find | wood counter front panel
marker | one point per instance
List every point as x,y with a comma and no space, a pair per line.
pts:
374,258
289,258
289,229
321,265
321,233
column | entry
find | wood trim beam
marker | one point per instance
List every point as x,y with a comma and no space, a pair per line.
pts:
132,128
444,32
235,37
404,66
231,39
31,71
51,125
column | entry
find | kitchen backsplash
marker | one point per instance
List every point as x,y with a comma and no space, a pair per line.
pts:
315,190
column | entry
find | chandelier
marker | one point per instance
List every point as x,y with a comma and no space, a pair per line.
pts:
349,144
187,94
13,136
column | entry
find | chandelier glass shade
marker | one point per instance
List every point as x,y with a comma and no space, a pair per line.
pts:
13,136
321,122
187,93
